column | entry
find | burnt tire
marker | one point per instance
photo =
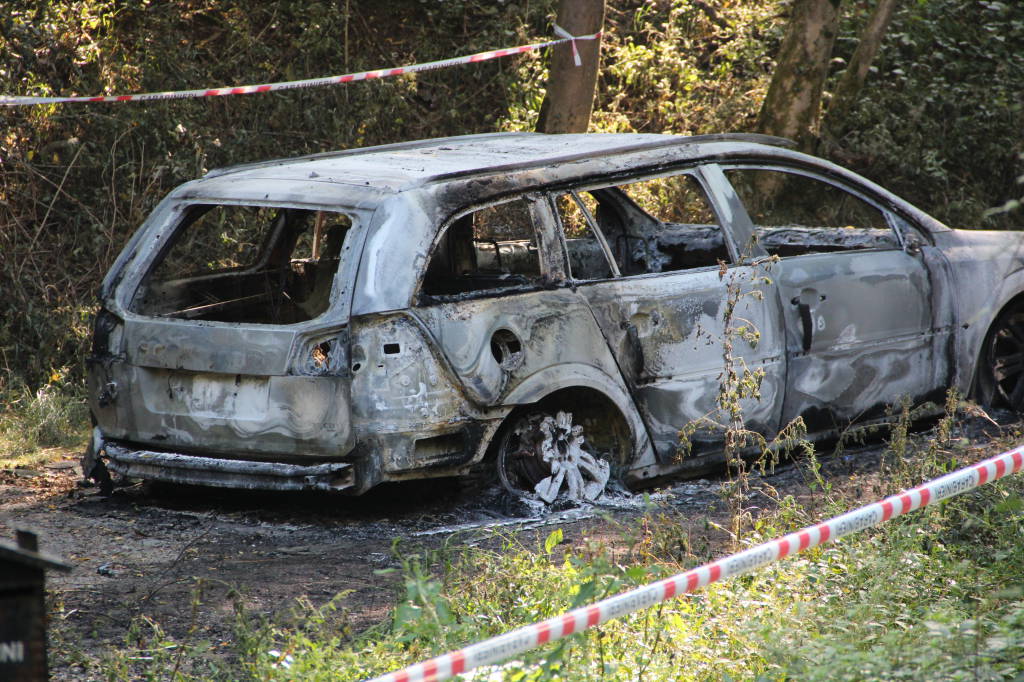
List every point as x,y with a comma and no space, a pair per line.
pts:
1000,376
101,475
563,448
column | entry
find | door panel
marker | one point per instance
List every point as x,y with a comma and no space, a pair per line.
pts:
662,298
667,333
487,299
859,334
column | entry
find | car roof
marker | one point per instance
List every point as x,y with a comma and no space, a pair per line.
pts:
395,167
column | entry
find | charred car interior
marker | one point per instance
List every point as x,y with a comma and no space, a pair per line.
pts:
546,311
245,264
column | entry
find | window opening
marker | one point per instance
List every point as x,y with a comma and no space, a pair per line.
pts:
653,225
252,264
590,255
491,249
796,214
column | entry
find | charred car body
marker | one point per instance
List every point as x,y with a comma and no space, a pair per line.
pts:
549,307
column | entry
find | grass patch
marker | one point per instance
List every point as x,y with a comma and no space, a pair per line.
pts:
38,426
934,595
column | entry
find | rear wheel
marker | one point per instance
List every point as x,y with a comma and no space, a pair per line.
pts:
1001,371
547,450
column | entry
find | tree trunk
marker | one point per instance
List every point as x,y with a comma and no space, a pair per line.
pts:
792,107
570,96
856,73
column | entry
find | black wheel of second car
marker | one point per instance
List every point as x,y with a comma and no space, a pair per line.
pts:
1001,374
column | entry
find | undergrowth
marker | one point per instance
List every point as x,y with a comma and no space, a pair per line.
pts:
936,594
939,121
55,414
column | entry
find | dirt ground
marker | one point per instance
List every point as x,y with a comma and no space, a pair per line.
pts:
180,555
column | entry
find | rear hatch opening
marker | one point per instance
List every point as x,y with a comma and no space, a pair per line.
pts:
230,366
245,264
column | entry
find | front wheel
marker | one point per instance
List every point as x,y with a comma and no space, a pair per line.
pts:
1001,370
545,452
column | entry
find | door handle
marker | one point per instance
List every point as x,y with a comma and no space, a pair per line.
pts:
803,302
805,319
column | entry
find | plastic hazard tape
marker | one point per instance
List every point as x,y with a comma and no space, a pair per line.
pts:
313,82
516,642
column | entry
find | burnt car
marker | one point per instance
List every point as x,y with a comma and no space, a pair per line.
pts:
550,309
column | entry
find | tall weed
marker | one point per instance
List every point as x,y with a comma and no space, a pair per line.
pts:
53,415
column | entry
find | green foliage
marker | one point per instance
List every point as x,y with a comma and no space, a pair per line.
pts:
1010,204
940,120
902,605
669,67
153,655
426,613
934,595
740,386
52,415
150,654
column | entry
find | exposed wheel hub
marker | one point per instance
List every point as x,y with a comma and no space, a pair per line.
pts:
546,454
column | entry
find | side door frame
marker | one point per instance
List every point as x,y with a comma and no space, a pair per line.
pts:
546,337
838,405
634,311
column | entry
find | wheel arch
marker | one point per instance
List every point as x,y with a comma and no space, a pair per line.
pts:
978,354
579,381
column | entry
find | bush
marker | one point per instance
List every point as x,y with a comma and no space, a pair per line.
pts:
939,121
52,415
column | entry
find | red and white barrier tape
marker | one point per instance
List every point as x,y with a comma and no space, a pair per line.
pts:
313,82
505,646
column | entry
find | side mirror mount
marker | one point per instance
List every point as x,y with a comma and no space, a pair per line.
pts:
912,242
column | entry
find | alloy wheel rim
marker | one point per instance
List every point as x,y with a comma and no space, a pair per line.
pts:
546,455
1006,353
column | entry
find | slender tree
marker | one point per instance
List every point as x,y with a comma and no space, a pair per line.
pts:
852,80
570,95
792,106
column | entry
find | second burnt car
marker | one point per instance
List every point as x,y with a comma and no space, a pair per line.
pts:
548,308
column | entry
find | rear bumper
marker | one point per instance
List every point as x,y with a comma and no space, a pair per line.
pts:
228,473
